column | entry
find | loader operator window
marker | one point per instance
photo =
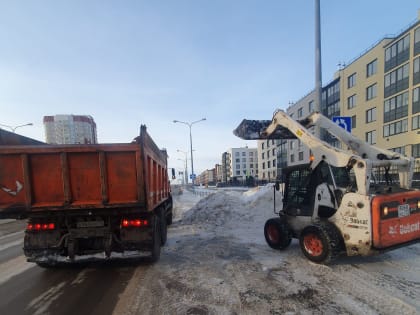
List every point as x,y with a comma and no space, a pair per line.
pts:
297,189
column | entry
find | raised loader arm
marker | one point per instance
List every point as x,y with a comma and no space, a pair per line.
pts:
282,126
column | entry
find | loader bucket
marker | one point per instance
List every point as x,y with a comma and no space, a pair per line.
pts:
255,130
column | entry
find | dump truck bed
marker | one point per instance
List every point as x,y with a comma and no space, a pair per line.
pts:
69,177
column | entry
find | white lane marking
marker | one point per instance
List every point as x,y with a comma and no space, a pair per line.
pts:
11,244
11,235
13,267
42,303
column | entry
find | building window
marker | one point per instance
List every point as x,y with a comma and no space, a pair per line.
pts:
262,145
251,165
251,153
371,115
398,53
243,159
300,156
268,164
396,128
273,152
415,150
400,150
415,123
416,71
353,122
311,107
268,154
238,173
274,162
371,92
263,165
238,166
243,153
292,145
237,160
333,109
292,158
396,81
262,156
396,107
300,112
351,101
372,68
351,81
416,100
251,160
236,153
371,137
244,166
417,41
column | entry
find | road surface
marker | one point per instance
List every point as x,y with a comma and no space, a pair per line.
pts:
215,262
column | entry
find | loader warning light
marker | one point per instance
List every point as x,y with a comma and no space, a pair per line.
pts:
40,226
134,223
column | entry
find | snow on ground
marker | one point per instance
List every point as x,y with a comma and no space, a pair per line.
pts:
216,261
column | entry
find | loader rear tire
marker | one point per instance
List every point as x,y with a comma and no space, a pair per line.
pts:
277,234
321,242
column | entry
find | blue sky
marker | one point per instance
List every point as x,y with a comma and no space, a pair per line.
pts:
128,63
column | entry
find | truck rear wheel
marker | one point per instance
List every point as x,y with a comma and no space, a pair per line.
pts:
276,232
163,225
320,243
156,240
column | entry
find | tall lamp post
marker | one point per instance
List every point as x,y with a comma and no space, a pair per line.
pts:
13,128
185,170
192,161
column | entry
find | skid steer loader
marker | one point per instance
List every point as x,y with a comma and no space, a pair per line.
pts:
357,201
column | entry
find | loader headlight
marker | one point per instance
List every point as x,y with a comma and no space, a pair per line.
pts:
418,204
385,211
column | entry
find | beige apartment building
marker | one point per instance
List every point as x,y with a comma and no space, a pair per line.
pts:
380,91
267,160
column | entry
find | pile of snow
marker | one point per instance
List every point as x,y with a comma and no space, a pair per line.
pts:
222,207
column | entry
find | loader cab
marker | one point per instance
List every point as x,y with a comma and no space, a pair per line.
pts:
297,196
303,186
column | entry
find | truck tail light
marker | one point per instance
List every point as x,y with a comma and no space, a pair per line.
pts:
134,223
40,226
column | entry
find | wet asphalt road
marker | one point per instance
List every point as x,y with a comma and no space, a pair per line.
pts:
25,288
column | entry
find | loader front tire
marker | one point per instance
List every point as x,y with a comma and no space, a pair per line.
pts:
277,234
320,242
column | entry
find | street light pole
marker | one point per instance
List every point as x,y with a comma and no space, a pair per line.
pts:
192,160
13,128
185,170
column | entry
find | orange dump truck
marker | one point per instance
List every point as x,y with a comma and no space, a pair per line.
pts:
88,201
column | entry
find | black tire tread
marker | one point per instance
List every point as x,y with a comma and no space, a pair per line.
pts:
283,229
332,237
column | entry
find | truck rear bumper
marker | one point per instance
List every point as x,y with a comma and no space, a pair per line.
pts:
52,257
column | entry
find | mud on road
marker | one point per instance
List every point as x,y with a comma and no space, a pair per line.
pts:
216,262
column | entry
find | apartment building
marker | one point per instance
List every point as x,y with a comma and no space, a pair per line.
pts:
267,159
243,163
70,129
206,178
297,152
379,90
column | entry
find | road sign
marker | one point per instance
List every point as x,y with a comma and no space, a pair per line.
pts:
192,176
343,121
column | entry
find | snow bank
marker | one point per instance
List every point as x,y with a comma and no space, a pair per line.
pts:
234,208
